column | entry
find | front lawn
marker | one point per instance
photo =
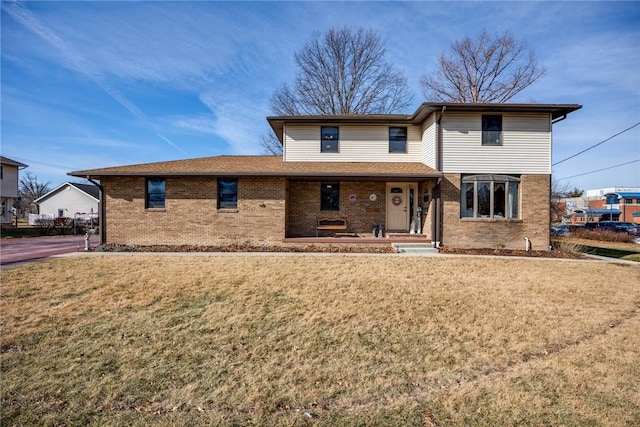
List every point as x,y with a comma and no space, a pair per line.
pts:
310,340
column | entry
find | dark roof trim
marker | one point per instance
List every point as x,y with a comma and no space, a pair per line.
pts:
7,161
88,174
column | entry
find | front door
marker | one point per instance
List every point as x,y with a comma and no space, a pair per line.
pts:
398,206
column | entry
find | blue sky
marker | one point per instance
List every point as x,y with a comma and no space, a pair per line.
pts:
94,84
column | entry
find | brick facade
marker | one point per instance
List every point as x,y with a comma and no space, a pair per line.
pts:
190,216
361,213
534,219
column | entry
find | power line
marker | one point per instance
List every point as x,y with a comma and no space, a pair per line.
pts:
593,146
600,170
22,159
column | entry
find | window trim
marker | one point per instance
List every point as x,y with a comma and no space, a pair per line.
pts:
334,207
511,208
147,194
219,200
487,133
337,139
406,137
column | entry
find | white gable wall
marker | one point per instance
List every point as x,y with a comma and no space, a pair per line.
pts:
526,146
70,199
357,143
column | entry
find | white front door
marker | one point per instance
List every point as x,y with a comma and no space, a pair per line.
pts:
398,206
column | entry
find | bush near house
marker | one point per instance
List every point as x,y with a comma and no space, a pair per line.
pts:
602,235
49,227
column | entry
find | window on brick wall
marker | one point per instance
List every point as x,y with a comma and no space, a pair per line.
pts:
490,196
330,196
227,194
156,193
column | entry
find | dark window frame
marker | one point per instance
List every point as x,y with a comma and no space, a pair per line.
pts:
227,198
489,196
330,196
329,139
155,199
492,127
398,142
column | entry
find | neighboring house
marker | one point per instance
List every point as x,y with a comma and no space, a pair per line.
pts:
9,181
464,175
609,204
70,200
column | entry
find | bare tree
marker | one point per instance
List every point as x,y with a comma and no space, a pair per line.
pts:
271,144
30,190
342,72
481,70
561,191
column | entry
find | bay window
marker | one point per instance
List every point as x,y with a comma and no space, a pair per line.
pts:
489,196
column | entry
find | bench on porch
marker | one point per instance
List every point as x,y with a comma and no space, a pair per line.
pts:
331,224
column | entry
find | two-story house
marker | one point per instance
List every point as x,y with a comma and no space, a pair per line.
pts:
9,180
464,175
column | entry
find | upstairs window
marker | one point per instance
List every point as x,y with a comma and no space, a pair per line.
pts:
329,139
330,197
156,191
491,130
397,139
227,194
489,196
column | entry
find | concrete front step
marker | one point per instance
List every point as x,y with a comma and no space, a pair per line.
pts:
415,248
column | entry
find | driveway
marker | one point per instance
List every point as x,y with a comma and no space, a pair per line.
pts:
20,250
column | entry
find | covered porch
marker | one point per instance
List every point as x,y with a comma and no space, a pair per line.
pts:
360,211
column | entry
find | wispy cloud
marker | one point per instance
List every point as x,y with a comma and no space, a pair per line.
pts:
77,62
236,121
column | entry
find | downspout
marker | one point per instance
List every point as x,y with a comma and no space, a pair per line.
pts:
437,220
101,210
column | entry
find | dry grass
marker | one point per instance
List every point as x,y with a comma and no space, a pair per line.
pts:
353,340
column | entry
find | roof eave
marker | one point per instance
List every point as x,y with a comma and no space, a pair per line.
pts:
392,175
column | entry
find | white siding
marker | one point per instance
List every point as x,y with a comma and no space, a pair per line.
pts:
526,146
71,200
429,142
9,181
357,143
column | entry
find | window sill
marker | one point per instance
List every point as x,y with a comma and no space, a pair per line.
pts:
155,209
227,210
507,220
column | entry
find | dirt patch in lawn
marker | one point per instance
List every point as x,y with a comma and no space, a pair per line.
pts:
513,252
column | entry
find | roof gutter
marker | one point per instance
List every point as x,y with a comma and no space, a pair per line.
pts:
559,119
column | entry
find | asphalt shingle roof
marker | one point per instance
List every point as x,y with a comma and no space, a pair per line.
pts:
264,166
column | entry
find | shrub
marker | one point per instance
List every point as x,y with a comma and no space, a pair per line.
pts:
603,235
